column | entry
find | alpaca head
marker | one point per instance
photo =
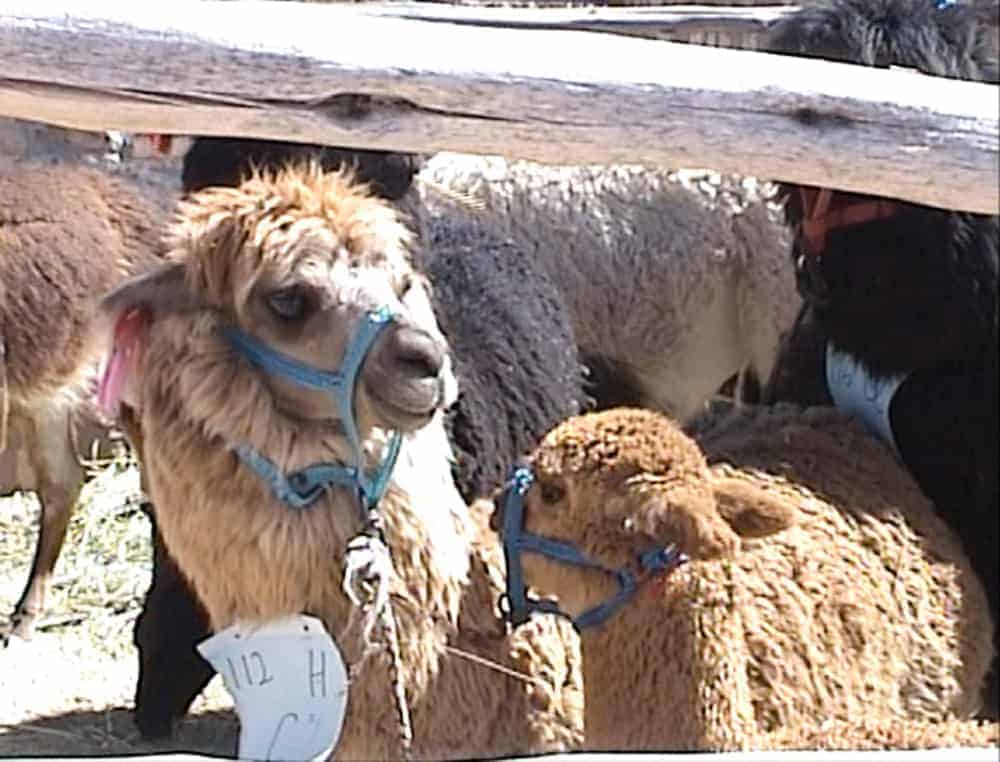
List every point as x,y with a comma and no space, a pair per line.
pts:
858,253
621,482
212,161
938,37
304,263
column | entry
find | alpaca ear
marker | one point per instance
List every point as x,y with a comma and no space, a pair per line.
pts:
687,518
160,291
750,510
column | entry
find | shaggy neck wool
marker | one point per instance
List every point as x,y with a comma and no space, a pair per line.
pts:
644,666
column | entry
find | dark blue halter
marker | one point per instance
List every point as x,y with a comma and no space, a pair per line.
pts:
518,606
302,488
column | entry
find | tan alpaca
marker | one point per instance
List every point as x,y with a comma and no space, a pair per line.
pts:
839,595
67,235
297,261
874,735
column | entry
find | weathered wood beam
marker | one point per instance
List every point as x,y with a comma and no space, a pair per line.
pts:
351,75
616,19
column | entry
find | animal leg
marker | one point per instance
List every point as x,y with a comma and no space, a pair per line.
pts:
172,622
61,477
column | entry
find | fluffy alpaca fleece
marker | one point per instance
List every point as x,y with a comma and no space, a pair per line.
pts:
675,280
869,735
249,557
67,234
914,293
497,416
823,587
171,671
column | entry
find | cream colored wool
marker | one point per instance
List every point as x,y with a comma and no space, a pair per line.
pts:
843,596
676,278
249,557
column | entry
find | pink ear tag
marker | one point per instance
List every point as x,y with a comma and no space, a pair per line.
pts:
126,346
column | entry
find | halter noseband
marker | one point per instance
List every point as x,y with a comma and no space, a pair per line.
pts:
302,488
517,606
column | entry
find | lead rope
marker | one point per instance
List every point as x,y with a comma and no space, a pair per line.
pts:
368,569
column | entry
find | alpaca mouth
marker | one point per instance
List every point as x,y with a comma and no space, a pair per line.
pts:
408,405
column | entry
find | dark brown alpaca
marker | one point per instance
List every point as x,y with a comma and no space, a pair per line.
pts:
68,234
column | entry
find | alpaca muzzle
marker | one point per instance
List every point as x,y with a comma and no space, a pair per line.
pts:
404,376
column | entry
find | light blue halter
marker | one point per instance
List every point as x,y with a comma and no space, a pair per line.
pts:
302,488
518,607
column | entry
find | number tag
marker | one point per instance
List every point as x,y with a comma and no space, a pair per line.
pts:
858,394
289,684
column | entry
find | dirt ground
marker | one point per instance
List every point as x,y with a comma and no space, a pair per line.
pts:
68,691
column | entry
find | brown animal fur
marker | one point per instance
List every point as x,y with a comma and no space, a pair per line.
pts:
251,558
875,735
67,235
844,596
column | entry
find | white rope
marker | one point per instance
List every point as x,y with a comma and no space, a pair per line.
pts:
367,573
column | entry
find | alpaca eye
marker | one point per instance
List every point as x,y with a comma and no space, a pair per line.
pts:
290,303
551,493
405,284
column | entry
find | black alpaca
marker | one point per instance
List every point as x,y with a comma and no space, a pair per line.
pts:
908,292
225,161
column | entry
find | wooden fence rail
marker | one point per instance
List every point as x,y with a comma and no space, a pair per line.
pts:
362,75
652,20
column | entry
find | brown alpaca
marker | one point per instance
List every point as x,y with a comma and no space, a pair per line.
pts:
876,735
67,235
298,259
823,586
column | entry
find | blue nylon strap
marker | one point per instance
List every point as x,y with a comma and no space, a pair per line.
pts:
659,560
604,611
280,364
304,487
519,609
339,384
516,541
374,488
557,550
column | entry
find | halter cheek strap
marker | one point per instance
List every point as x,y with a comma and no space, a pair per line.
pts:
302,488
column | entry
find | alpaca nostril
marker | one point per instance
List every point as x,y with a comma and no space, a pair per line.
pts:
416,353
